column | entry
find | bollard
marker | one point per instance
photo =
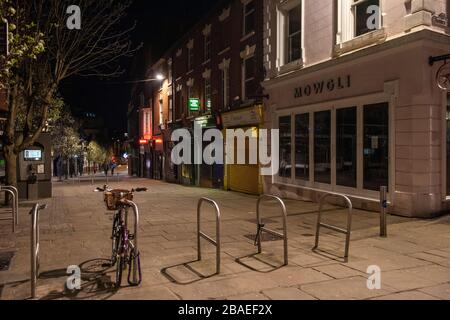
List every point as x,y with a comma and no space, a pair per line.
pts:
35,247
383,211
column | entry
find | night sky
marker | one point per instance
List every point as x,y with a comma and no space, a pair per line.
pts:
159,24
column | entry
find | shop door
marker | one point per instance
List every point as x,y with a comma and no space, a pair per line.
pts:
244,177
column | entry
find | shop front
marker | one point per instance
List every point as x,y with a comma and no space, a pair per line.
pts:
372,119
243,177
158,157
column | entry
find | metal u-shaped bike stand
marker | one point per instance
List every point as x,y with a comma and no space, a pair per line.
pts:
135,208
262,228
201,234
334,228
14,205
35,246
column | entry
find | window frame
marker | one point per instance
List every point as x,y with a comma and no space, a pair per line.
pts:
282,26
161,111
171,111
359,103
346,20
245,16
208,47
289,36
190,60
225,83
207,93
354,8
246,80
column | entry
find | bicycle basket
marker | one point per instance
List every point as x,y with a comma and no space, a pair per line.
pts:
113,198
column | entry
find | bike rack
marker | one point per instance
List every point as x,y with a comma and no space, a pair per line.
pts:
334,228
261,227
14,205
200,234
136,226
35,246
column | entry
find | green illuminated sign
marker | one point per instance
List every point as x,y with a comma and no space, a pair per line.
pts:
194,104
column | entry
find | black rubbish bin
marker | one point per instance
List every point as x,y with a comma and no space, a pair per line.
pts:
32,188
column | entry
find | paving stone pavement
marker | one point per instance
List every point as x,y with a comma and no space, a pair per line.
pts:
75,230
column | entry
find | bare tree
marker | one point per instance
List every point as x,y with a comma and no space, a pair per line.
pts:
44,52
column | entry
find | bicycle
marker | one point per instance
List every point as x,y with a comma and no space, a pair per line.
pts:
124,252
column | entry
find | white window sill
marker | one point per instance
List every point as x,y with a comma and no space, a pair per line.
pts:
362,41
291,66
251,34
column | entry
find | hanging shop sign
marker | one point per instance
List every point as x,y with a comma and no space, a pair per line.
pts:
194,104
323,86
249,116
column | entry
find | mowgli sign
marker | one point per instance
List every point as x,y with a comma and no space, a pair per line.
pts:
323,86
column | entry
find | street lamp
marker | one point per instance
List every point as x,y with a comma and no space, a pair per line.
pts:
159,77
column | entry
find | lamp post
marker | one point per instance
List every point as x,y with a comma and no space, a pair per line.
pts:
159,77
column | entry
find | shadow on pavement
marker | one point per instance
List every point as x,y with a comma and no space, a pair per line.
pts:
257,257
187,266
330,255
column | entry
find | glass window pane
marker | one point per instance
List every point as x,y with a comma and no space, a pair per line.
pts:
346,147
285,147
249,20
302,146
294,37
295,18
250,68
362,17
322,147
376,146
294,48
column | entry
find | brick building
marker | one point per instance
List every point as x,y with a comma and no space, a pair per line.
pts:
212,77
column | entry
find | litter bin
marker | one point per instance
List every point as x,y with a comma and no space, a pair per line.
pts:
32,187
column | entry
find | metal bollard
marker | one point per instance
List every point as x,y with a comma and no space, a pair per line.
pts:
383,211
202,235
35,247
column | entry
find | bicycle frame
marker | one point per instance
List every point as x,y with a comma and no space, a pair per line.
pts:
125,246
